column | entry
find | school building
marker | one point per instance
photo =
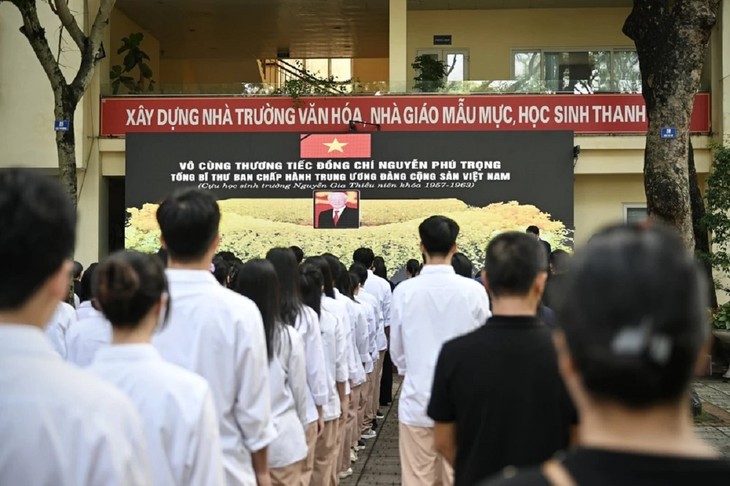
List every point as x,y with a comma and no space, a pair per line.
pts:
569,55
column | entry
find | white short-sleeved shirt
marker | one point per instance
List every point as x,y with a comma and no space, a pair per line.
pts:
427,311
380,289
377,324
357,341
86,337
61,425
288,384
339,309
307,324
84,310
335,353
58,326
177,413
219,334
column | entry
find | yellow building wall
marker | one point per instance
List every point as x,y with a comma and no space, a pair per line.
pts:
27,138
121,26
490,35
197,73
370,70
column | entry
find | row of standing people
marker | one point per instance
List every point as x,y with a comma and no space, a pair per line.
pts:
211,386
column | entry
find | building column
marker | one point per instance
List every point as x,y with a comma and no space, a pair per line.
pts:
398,45
724,87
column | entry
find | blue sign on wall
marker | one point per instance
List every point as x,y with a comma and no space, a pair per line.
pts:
61,125
669,132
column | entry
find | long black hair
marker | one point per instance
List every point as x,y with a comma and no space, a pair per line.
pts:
256,279
311,283
321,263
287,270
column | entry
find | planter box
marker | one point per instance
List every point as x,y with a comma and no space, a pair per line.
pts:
722,336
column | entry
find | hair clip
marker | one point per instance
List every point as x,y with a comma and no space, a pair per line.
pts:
638,340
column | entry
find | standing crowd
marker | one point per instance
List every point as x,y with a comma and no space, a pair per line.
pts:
201,369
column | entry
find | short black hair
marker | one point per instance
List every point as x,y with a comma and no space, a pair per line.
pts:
298,253
364,256
221,269
462,265
559,259
86,287
413,267
533,229
127,284
513,261
189,220
37,233
634,315
438,235
77,270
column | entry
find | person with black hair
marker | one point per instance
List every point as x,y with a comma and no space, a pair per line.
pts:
316,281
60,425
413,268
218,334
90,333
379,288
305,320
428,311
385,395
86,295
462,265
78,269
632,333
298,254
221,269
559,261
175,404
287,454
515,415
534,231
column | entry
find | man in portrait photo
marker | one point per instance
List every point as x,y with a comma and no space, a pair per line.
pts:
340,215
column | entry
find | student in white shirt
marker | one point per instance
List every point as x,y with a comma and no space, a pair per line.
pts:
57,327
257,280
86,337
334,342
59,425
175,404
86,307
380,289
427,311
218,334
306,321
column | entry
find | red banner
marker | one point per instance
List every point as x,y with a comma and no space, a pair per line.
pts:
338,146
613,113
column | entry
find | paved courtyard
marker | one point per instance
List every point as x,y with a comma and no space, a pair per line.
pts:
379,464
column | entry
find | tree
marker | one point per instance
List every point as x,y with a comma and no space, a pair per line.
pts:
671,38
66,95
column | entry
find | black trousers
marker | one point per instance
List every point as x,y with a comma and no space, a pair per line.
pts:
386,382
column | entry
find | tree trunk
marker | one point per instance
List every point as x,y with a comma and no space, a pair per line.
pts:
671,40
699,228
64,109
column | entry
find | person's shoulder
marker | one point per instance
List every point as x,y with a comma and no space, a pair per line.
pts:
510,477
461,347
187,386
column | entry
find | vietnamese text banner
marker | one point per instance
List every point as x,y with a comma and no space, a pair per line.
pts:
578,113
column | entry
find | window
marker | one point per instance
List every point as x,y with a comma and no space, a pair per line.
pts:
635,213
577,71
456,60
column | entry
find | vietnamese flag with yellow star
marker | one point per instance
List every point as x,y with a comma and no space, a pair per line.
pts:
335,146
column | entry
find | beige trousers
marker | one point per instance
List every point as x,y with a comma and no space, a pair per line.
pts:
421,465
325,455
350,426
288,475
311,435
362,407
377,375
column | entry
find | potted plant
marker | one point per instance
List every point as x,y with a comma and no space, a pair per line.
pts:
431,73
721,323
135,59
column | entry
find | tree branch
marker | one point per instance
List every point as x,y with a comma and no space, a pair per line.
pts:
93,43
36,35
69,22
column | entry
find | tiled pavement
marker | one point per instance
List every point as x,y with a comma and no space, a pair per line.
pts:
379,464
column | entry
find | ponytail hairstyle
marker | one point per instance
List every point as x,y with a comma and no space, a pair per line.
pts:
344,283
287,270
311,282
321,263
127,285
413,267
256,279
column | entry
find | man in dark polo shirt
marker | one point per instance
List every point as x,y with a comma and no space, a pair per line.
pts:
497,397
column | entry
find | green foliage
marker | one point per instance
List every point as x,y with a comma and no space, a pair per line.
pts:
717,219
134,59
309,84
721,317
431,73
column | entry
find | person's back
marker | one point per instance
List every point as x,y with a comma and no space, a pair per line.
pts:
86,337
58,326
176,407
426,312
630,339
217,334
59,425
